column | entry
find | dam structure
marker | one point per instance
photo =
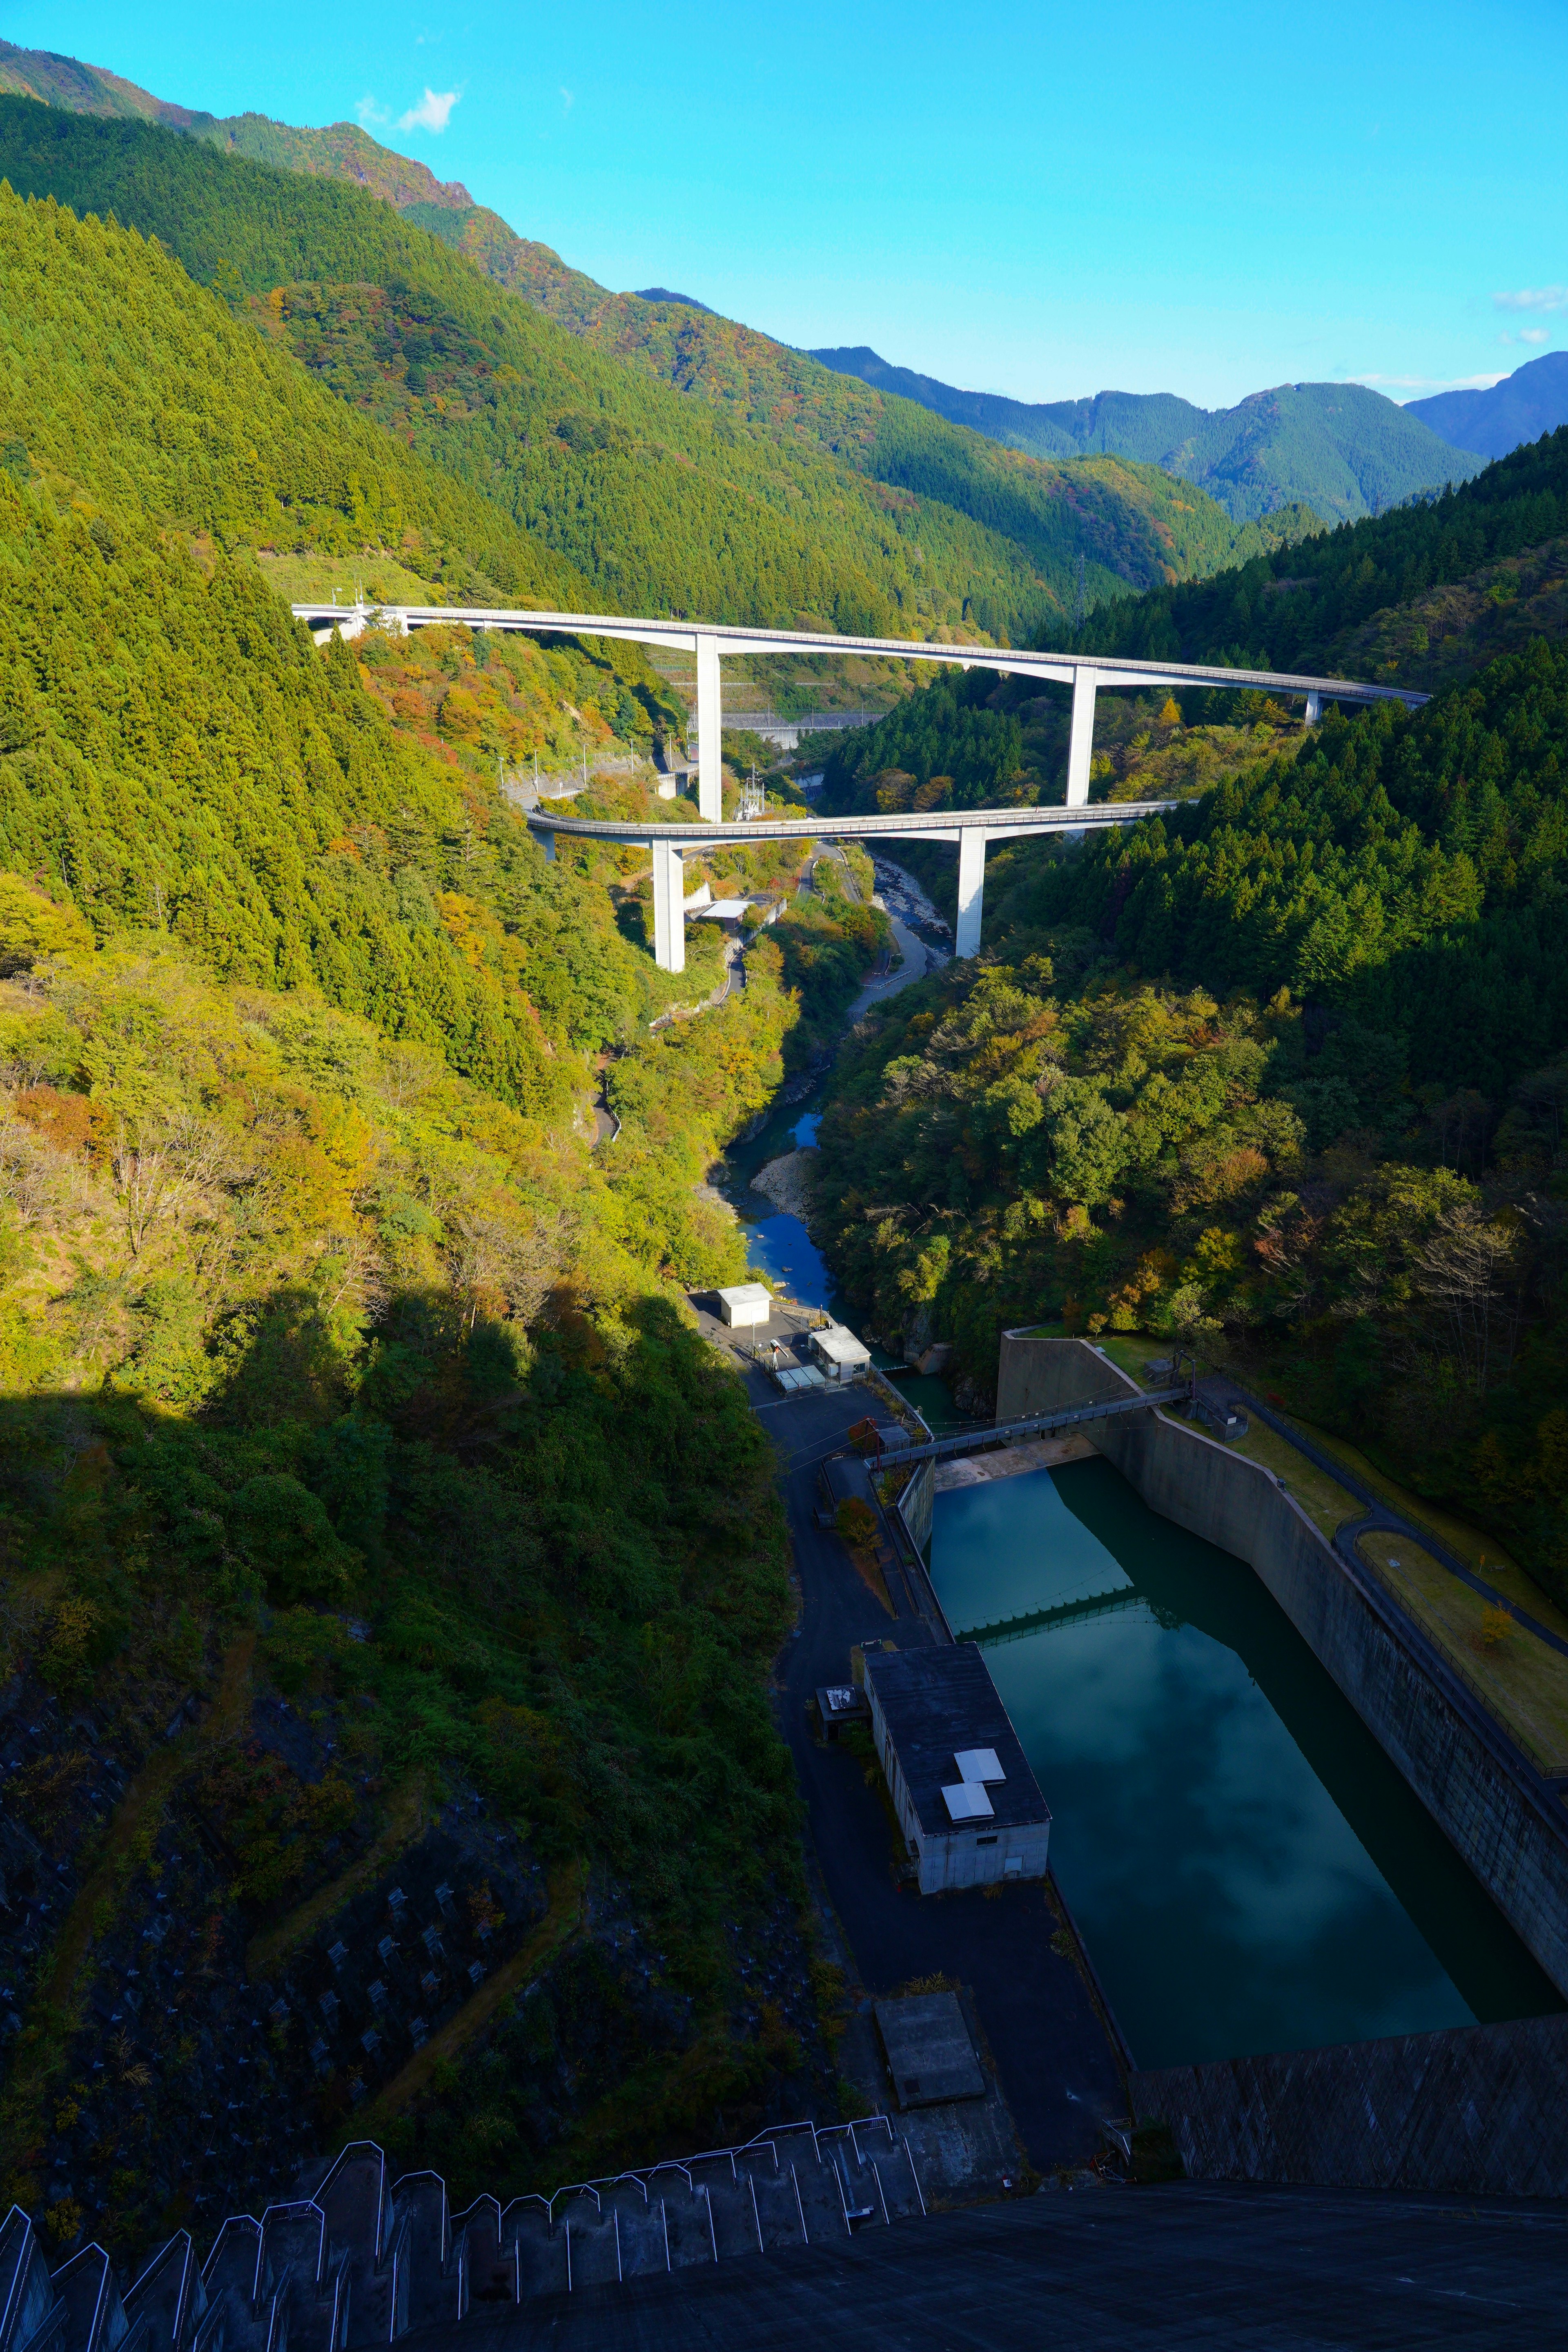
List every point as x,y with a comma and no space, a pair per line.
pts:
975,828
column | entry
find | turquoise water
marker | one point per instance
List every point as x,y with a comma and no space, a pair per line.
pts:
1249,1871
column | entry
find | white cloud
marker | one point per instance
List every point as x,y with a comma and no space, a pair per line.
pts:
433,112
1534,298
370,114
567,101
1533,335
1413,386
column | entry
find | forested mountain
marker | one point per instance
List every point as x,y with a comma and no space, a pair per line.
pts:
1282,1071
1533,400
363,1493
1300,611
1422,597
1338,448
700,466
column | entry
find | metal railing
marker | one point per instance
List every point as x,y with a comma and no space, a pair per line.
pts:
1036,1424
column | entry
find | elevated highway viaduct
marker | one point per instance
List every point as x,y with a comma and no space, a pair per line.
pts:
1086,674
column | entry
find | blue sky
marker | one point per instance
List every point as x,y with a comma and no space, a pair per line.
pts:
1034,198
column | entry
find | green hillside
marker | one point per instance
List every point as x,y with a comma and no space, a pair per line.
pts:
1282,1073
1297,610
344,1385
126,380
676,460
1338,448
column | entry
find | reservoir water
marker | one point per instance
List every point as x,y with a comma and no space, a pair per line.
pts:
1248,1867
1249,1871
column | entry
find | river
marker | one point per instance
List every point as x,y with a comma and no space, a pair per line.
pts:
778,1245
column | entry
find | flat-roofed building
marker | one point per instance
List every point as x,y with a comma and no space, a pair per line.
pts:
746,1303
966,1799
842,1355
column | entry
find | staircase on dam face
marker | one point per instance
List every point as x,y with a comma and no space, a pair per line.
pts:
366,2261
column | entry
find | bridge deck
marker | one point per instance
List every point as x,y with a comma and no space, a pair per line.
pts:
927,824
1062,669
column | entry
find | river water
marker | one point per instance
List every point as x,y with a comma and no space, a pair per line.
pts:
1249,1871
777,1244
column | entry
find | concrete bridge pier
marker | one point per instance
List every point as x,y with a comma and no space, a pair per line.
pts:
669,907
971,891
709,729
1080,746
1314,709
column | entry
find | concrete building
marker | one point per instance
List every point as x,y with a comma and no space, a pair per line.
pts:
969,1806
842,1355
746,1305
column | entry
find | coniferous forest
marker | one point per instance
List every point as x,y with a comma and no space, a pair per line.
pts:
366,1490
1281,1070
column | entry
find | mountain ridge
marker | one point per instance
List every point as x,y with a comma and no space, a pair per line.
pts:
1127,520
677,460
1341,449
1497,420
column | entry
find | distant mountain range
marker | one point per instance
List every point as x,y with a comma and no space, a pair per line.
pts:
1335,451
1337,448
1533,400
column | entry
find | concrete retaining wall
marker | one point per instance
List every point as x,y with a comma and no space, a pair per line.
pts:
1473,1782
1482,2110
915,1506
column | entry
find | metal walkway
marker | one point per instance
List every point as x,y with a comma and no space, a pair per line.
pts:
1037,1424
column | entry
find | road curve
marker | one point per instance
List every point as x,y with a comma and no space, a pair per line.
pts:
1061,668
925,825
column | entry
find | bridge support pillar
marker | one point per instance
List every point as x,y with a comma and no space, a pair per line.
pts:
971,891
547,843
1080,749
1314,709
710,727
668,908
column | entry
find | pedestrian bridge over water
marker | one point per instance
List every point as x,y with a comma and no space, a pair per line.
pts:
1086,674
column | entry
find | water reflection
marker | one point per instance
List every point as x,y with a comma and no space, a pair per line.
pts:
1249,1869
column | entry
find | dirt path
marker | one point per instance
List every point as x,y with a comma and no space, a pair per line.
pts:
404,1820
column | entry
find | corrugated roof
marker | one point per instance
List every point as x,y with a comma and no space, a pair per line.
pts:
841,1344
939,1703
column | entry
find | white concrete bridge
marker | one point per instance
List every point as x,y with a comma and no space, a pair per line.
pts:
974,829
1087,675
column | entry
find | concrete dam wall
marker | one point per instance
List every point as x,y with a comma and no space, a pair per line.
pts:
1481,2110
1487,1799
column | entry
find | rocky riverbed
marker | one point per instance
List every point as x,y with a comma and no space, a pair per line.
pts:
790,1181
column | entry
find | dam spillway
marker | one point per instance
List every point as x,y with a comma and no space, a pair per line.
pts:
1248,1867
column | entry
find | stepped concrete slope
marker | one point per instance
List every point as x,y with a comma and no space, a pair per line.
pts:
776,2244
367,2259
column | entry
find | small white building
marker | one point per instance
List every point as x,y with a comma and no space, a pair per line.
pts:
842,1355
747,1304
968,1804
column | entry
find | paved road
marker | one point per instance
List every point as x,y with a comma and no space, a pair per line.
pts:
1054,2059
1223,1390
